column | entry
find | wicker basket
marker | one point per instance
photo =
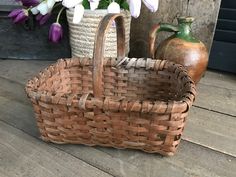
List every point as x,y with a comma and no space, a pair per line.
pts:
82,35
116,102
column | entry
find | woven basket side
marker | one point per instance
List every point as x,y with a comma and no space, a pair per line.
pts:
67,112
130,103
137,82
82,35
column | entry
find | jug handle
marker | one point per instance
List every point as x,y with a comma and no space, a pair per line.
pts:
153,35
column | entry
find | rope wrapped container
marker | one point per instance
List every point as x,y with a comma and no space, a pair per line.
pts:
82,35
114,102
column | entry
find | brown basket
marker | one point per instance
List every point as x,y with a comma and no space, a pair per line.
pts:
116,102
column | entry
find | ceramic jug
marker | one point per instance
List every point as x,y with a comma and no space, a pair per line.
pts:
181,47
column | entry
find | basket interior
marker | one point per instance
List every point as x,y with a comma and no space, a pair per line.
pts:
131,84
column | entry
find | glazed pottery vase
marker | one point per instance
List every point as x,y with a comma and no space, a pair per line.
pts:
181,47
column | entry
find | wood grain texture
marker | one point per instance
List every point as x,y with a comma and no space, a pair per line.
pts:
214,86
99,48
190,161
21,71
203,127
216,99
212,130
204,11
219,79
23,155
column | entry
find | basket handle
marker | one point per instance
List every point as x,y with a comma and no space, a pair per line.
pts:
99,46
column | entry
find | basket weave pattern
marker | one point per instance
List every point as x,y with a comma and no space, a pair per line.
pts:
134,103
82,35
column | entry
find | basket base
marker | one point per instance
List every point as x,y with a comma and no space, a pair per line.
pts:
152,151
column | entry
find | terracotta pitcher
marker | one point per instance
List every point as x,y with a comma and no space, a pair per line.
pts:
181,47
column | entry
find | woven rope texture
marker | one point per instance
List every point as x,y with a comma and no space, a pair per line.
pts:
82,35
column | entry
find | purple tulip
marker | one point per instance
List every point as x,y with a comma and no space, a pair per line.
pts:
55,33
14,13
19,15
29,3
43,18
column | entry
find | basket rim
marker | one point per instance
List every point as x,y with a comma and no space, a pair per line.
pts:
87,101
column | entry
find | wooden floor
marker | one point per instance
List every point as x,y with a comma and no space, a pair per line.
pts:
208,148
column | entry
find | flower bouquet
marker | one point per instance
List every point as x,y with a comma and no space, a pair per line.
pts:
83,18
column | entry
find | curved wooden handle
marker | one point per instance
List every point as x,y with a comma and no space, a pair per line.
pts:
99,46
152,40
153,35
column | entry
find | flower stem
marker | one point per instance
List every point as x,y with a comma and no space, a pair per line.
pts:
55,6
28,9
59,14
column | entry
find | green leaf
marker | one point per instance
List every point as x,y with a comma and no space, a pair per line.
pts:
118,1
103,4
86,4
125,5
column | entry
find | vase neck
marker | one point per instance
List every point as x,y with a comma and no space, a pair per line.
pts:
184,29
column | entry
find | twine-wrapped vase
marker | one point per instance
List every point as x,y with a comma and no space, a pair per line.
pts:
82,35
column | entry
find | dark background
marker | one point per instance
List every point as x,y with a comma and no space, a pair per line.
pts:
19,43
223,53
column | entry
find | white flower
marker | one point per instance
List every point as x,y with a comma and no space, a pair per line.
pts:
71,3
51,3
113,8
78,13
135,6
43,8
94,4
152,5
34,10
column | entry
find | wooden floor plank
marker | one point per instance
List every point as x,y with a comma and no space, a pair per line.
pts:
21,70
217,99
22,117
135,163
216,91
4,173
191,159
19,115
13,91
22,155
201,126
219,79
204,127
117,164
212,130
103,160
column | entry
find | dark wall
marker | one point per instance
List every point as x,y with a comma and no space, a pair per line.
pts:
29,41
223,53
18,42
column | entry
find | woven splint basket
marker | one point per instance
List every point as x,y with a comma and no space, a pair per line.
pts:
116,102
